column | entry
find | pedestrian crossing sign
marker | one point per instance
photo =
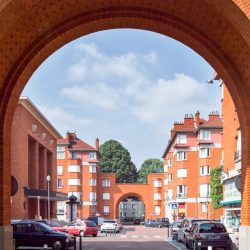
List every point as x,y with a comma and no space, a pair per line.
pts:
174,205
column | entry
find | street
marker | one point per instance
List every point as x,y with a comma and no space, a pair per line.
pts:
132,237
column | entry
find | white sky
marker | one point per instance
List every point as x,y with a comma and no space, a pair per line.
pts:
126,85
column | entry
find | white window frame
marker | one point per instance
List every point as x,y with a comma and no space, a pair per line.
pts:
170,162
157,210
106,209
60,150
204,152
170,177
204,170
92,169
181,191
59,170
205,134
106,182
74,182
181,173
92,182
92,196
74,169
106,196
204,190
165,182
165,168
92,155
181,139
170,193
157,183
157,196
204,207
61,183
181,155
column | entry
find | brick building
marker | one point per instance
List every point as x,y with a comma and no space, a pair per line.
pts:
33,158
193,150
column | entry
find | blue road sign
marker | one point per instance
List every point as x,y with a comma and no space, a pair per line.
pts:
174,205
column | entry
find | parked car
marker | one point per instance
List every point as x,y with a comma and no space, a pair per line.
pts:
58,226
111,224
97,219
83,228
137,221
185,226
210,233
175,228
36,234
161,222
149,223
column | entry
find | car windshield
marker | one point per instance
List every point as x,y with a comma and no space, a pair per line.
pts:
176,224
90,224
47,227
212,228
109,221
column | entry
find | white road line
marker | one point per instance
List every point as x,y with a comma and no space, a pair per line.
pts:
145,236
123,236
134,236
157,236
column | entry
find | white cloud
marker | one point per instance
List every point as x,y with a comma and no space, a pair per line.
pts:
64,120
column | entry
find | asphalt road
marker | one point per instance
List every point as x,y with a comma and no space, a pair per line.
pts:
132,238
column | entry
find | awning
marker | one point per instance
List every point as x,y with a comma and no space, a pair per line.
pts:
230,202
43,194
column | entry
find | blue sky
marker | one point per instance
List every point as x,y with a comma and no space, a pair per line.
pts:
127,85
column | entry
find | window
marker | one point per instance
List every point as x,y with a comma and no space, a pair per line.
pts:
92,196
203,207
204,152
182,139
181,172
74,155
181,191
165,182
165,168
92,182
133,206
181,155
59,170
157,196
170,177
204,170
59,183
76,194
73,168
170,193
92,155
170,163
157,183
74,182
204,190
106,196
60,152
157,210
106,209
165,196
92,169
106,183
205,134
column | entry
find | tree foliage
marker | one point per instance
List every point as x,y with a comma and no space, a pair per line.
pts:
116,159
216,187
150,166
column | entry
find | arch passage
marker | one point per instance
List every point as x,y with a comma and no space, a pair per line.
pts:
217,31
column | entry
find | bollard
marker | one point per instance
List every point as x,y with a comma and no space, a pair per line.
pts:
209,248
74,238
106,231
110,231
168,231
80,242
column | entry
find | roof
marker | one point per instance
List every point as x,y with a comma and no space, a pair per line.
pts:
76,144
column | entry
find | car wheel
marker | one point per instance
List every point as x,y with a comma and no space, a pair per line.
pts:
57,245
94,235
81,233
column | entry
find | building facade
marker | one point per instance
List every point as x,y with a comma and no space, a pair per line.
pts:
193,150
33,158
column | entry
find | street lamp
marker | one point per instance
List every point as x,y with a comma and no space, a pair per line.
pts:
48,180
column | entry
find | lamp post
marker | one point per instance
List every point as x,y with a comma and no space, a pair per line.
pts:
48,180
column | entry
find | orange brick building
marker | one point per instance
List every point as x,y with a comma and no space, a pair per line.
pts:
99,193
193,150
33,158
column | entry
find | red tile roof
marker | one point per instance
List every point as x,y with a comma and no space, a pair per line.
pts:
77,144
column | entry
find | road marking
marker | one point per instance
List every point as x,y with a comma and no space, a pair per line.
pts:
123,236
134,236
145,236
157,236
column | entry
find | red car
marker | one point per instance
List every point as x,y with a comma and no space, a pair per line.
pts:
57,226
82,228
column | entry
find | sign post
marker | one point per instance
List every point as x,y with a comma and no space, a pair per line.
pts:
174,206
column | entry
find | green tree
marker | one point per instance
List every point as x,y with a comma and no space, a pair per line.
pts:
150,166
116,159
216,187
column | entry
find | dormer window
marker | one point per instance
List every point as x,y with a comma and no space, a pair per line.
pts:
181,139
205,134
92,155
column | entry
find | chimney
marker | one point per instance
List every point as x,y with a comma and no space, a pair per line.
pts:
68,137
188,119
97,143
197,118
213,115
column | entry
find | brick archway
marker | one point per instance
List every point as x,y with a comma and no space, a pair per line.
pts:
32,30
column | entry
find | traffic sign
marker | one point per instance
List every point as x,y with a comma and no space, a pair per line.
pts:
174,205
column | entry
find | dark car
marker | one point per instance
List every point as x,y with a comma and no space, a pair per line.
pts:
186,224
38,234
161,222
137,221
210,233
175,228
